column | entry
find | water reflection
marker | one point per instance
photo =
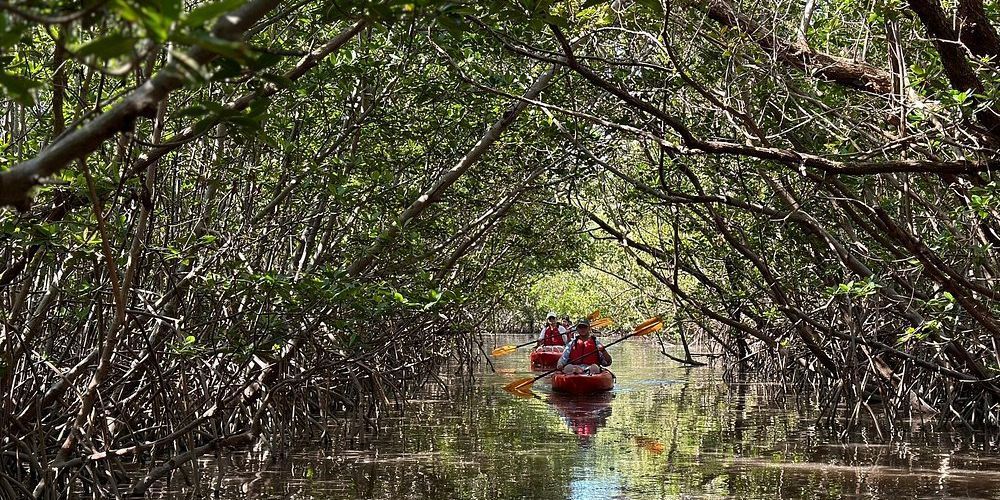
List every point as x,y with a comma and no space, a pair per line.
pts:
590,488
584,415
664,432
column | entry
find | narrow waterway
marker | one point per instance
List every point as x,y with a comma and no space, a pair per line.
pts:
664,432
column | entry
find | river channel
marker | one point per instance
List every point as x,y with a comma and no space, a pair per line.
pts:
664,432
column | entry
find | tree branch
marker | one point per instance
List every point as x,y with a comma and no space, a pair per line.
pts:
16,183
798,54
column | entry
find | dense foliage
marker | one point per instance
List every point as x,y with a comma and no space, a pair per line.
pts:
234,218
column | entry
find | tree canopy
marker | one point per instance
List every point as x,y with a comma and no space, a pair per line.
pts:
228,216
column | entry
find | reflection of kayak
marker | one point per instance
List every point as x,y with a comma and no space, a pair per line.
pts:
582,383
544,360
584,414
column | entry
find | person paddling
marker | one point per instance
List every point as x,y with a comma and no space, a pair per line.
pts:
564,322
552,334
585,351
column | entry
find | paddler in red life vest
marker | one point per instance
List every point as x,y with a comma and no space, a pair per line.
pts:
585,351
553,334
565,324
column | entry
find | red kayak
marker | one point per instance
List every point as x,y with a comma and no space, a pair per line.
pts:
544,360
583,383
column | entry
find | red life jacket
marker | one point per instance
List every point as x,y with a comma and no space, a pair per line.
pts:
582,347
552,336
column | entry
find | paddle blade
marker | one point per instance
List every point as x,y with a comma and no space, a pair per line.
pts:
594,315
649,322
601,323
503,350
520,387
653,328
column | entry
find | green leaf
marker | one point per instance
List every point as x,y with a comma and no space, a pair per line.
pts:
248,123
227,68
590,3
126,11
204,13
19,88
193,111
653,5
230,49
189,66
171,9
11,34
559,21
280,81
108,47
259,107
265,60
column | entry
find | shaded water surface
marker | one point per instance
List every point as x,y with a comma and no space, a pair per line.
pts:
664,432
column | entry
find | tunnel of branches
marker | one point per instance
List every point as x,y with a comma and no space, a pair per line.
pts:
229,224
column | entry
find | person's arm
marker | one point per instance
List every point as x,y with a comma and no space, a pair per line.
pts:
564,359
541,336
602,354
564,332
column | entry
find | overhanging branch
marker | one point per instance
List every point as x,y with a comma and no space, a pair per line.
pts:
16,183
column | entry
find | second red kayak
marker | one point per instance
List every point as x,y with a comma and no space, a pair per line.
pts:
544,360
583,383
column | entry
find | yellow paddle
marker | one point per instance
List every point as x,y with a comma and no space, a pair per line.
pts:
599,323
522,387
510,348
648,322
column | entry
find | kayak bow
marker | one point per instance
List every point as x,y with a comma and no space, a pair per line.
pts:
583,383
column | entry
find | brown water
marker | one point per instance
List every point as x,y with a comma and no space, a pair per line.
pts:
664,432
